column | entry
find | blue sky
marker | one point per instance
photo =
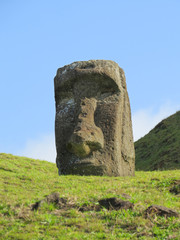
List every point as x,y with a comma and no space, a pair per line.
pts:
38,37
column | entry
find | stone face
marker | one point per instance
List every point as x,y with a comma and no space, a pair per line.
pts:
93,120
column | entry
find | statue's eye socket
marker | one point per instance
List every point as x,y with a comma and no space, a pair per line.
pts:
66,95
109,90
63,94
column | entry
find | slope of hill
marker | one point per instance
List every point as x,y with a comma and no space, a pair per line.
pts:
25,181
160,148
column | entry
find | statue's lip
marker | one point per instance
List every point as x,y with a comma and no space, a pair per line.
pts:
84,167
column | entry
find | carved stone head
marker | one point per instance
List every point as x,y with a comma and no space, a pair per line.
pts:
93,120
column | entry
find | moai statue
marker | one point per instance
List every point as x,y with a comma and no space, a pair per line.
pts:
93,125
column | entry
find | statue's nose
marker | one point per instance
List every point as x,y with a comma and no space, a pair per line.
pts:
87,137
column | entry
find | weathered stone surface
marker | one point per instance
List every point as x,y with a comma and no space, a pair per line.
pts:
93,120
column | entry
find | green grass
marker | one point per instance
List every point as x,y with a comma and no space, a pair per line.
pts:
24,181
160,148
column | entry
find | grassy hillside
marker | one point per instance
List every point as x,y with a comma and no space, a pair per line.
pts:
24,181
160,148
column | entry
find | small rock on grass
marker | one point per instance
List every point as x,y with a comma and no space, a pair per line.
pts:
115,204
52,198
160,211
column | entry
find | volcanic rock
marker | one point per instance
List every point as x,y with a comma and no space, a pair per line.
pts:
115,204
161,211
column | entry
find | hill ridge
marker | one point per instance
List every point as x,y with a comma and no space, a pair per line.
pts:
160,148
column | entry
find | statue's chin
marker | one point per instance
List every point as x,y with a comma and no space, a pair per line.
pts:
84,167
